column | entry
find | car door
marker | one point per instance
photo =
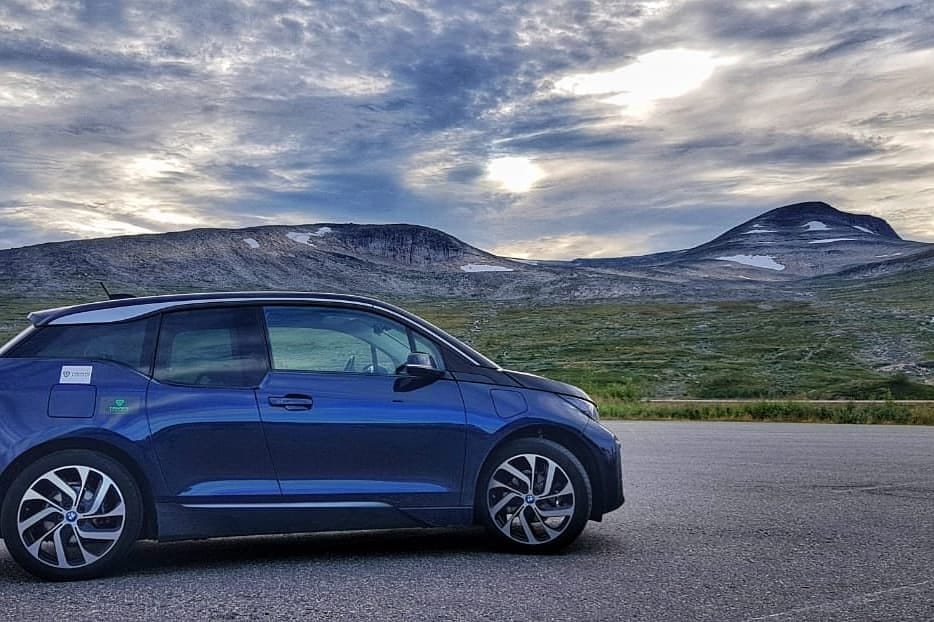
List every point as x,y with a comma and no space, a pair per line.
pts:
201,404
343,426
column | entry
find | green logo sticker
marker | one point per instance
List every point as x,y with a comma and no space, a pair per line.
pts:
119,407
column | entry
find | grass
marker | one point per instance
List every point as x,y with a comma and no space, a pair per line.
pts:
844,343
892,412
848,343
751,350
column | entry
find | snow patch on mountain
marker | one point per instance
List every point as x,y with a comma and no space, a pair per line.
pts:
302,237
756,261
251,242
760,231
815,225
865,230
482,267
832,240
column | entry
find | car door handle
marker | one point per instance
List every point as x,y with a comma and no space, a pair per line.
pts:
291,401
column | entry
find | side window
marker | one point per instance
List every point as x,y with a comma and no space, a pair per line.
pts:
328,339
128,343
429,348
220,347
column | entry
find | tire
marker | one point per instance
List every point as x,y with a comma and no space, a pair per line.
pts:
546,518
71,515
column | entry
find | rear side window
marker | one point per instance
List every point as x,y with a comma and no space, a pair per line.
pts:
127,343
212,348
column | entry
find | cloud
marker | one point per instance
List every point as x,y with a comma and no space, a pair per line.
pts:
646,126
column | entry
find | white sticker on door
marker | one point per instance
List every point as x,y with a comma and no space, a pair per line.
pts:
76,374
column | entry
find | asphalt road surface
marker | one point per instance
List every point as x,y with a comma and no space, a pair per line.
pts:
724,521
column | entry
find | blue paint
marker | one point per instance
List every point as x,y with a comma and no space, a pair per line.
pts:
359,453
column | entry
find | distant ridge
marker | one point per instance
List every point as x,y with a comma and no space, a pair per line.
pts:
792,242
775,253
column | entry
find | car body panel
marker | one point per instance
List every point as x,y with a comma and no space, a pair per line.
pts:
25,386
362,439
371,452
210,443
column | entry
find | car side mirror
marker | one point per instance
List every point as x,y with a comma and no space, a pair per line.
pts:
418,371
421,365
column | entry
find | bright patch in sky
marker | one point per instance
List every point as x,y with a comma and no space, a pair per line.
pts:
662,74
147,167
514,174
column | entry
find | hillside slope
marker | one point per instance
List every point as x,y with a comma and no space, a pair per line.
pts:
770,255
796,241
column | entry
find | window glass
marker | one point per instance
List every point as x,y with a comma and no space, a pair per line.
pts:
331,339
429,348
212,348
128,343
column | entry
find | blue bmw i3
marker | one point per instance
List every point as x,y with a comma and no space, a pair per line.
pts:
211,415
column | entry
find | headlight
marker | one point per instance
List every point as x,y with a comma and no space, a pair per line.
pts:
585,406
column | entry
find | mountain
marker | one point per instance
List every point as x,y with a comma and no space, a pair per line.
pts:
788,243
768,255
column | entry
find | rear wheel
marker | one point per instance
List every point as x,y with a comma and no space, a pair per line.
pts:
73,514
534,495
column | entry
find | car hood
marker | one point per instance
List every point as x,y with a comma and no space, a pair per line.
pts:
540,383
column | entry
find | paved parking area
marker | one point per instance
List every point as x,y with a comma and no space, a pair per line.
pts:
724,521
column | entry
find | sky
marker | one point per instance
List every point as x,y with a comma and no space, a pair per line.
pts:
543,129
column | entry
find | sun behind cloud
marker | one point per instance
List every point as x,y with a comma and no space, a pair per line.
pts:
514,174
657,75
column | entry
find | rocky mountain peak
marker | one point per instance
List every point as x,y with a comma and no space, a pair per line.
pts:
791,243
816,217
403,243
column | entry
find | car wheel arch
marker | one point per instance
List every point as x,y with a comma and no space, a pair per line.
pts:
150,526
565,437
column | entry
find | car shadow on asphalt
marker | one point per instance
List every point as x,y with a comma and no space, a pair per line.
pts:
149,557
305,548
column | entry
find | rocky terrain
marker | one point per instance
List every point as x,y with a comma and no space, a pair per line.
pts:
776,254
789,243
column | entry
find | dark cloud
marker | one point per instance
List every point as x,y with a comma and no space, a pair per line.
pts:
169,114
780,148
569,141
36,55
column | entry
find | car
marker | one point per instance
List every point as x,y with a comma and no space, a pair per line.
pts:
226,414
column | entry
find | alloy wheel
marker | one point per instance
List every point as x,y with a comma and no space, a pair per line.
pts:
530,499
71,516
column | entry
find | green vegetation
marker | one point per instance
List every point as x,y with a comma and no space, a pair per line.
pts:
859,342
813,412
721,350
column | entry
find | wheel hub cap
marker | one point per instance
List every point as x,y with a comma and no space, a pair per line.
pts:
71,516
530,499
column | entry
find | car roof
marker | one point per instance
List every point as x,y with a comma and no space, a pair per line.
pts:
107,311
122,309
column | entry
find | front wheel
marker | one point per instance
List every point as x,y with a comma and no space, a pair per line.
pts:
70,515
534,495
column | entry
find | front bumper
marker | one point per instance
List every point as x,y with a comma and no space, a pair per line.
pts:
609,485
